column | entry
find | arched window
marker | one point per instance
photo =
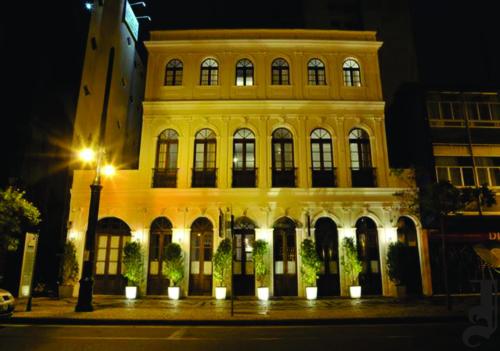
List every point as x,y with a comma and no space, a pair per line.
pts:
280,72
352,75
165,172
244,158
244,72
204,159
322,159
209,72
282,148
361,163
173,73
316,72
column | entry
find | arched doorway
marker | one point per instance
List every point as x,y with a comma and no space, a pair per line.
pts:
111,236
160,235
370,278
407,233
243,268
327,246
200,257
285,258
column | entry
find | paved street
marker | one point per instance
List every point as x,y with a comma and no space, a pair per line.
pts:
208,309
340,337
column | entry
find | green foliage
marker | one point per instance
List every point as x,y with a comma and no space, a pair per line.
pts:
133,262
16,216
311,264
173,266
222,262
260,252
69,265
350,262
398,262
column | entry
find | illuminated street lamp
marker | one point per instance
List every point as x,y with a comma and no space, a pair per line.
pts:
84,303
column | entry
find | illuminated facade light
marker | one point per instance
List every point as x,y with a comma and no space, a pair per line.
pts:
108,170
89,6
87,155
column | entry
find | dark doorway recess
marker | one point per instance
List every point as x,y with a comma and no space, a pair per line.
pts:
327,246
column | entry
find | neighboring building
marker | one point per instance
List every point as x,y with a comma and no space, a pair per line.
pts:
284,129
111,49
455,137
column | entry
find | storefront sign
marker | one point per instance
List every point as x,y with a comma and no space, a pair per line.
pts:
29,256
131,21
494,236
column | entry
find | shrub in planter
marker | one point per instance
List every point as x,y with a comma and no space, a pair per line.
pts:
222,266
260,252
351,265
173,268
133,263
398,257
310,267
68,270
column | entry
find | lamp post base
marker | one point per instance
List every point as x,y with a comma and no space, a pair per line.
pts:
84,303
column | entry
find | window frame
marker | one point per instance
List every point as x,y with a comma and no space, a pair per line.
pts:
211,71
364,162
246,68
176,71
321,142
279,66
205,141
313,72
246,140
282,142
171,138
351,73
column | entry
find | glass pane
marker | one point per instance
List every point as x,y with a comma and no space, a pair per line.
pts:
495,176
103,241
113,254
482,175
446,110
101,254
468,176
115,241
442,173
172,156
113,268
456,178
100,268
277,156
458,112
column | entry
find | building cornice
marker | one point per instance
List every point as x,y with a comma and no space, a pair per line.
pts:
260,106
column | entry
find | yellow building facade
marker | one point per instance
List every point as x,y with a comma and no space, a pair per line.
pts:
284,130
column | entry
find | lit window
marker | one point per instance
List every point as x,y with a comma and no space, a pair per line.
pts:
204,159
173,73
209,72
321,150
352,75
280,72
316,72
282,152
359,146
244,72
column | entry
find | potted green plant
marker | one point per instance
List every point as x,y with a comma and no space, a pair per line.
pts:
133,264
173,269
397,265
222,265
68,270
310,267
352,266
260,253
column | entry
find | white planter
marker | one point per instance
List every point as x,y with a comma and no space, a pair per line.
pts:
311,292
220,293
355,292
263,294
174,292
131,292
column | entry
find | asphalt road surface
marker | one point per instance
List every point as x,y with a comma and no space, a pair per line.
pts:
401,337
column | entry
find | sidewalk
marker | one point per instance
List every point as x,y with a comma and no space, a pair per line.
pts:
151,310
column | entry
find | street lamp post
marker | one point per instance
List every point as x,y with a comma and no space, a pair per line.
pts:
84,303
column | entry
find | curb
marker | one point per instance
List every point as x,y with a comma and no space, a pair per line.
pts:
237,322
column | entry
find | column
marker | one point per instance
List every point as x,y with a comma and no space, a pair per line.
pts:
344,233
